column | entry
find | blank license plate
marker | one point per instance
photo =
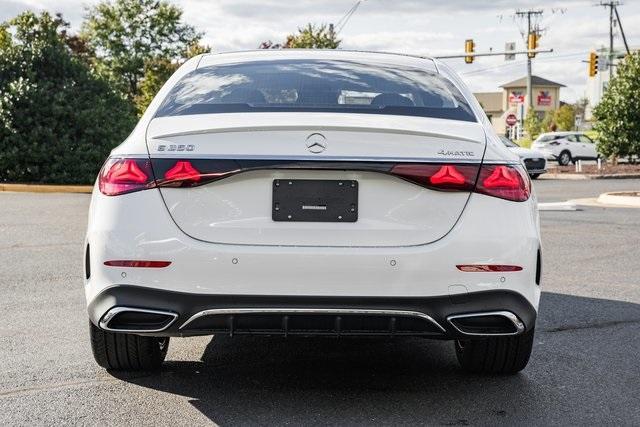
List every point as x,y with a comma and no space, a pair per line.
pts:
315,200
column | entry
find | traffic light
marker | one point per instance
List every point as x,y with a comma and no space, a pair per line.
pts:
593,64
469,47
532,43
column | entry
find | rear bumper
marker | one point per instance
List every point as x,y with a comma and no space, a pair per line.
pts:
539,171
191,314
137,227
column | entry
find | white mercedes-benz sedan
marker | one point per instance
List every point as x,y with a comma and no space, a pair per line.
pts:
311,192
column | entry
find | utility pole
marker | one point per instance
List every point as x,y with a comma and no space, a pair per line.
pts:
528,14
612,5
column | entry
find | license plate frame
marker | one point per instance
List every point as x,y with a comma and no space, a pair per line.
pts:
315,200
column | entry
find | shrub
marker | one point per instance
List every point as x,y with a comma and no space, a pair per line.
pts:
58,121
618,113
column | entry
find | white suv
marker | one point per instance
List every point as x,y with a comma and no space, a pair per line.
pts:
566,147
310,192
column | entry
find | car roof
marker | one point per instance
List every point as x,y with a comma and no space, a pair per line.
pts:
344,54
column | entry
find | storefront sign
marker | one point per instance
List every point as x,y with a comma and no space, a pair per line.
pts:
544,98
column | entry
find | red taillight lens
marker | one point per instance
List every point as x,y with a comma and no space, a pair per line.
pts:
487,268
184,171
439,177
121,176
137,263
448,174
504,181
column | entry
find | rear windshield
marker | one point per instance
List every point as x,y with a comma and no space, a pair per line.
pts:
316,85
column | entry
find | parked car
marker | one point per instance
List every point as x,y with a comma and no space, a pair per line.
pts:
313,192
566,147
533,160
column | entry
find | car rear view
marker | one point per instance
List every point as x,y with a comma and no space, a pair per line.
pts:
329,193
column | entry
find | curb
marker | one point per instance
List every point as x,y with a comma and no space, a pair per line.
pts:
570,176
44,188
594,202
620,198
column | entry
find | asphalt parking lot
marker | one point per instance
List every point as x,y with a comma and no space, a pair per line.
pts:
585,366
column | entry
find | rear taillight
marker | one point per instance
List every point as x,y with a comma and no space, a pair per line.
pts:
178,173
507,182
182,171
121,176
439,177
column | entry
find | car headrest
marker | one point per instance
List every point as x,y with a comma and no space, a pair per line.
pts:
244,96
317,94
392,99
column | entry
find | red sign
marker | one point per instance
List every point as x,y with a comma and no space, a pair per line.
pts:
544,97
516,97
511,120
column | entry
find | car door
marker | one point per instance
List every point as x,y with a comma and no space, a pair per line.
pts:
587,147
574,146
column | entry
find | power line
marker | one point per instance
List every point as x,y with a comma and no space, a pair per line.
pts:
519,63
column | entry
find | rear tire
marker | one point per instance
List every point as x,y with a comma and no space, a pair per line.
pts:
495,355
564,158
127,352
534,175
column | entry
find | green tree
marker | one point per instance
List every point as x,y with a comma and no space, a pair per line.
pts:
618,113
561,119
309,37
58,121
532,124
124,34
565,117
157,71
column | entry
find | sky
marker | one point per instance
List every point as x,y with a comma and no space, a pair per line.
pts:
424,27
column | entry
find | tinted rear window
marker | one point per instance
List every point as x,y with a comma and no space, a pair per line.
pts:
316,85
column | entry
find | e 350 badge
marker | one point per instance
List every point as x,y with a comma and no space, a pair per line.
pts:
176,147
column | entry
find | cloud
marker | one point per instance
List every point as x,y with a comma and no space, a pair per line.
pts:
571,28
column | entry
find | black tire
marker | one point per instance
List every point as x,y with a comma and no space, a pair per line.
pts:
535,175
565,158
496,355
127,352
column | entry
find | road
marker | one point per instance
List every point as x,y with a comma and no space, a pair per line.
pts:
585,366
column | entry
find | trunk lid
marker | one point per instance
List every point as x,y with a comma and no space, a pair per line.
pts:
238,209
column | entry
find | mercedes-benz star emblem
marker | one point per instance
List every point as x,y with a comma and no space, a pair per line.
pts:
316,143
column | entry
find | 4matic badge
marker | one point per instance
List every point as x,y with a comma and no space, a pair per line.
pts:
456,153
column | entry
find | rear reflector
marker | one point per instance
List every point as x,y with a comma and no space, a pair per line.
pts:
474,268
137,263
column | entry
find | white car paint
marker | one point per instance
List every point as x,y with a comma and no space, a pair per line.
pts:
221,240
576,144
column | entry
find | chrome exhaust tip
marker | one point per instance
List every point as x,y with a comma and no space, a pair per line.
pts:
490,323
136,320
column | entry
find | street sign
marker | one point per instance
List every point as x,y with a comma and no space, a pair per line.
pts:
511,120
508,48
